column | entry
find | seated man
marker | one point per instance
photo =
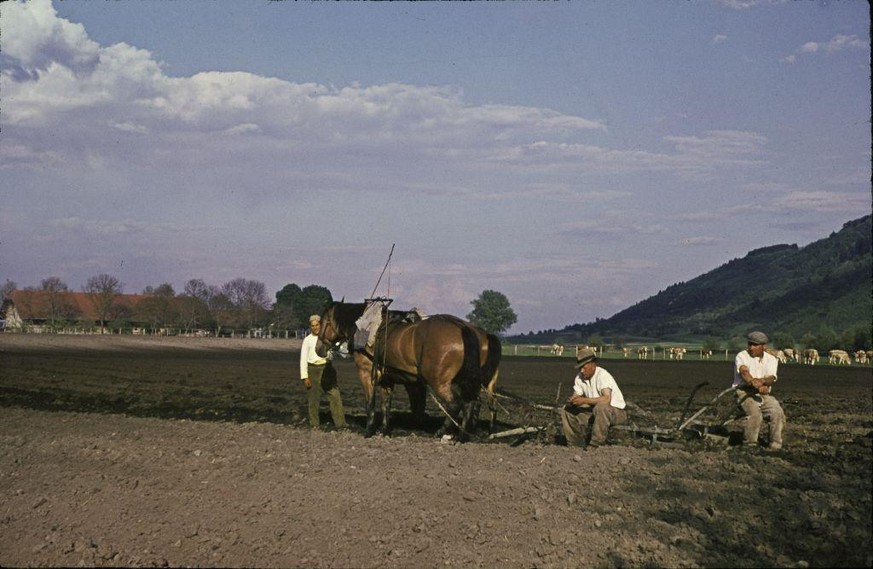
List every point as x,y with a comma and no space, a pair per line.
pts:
596,404
754,375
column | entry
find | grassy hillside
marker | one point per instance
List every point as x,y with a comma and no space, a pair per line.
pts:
818,294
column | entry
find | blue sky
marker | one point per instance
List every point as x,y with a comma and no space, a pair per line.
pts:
576,156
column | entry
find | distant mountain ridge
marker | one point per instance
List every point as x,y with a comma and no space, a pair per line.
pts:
825,287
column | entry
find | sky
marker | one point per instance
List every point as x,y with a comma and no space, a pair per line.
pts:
577,157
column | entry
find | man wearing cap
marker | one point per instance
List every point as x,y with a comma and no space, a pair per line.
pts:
755,373
596,404
319,377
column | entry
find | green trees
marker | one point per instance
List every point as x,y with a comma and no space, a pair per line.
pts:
491,312
294,305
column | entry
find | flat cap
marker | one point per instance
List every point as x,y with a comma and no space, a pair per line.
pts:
757,338
314,318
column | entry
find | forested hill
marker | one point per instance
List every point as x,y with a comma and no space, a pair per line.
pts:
822,289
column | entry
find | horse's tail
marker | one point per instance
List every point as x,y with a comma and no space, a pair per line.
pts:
470,375
490,369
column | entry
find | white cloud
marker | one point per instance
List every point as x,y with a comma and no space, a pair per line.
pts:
128,126
823,201
613,224
98,228
90,96
172,123
719,39
720,145
767,188
840,42
34,38
700,240
695,155
740,4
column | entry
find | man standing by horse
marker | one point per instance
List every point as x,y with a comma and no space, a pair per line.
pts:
596,404
319,377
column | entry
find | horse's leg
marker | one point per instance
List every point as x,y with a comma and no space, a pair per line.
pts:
371,411
417,401
365,376
449,399
450,425
387,396
492,401
468,420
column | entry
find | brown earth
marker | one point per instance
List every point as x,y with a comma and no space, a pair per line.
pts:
182,452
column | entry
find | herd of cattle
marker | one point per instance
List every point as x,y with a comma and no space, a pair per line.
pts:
809,356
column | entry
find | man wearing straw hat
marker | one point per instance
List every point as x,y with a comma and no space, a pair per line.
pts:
596,404
319,378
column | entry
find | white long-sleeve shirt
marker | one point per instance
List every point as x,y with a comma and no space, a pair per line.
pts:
308,355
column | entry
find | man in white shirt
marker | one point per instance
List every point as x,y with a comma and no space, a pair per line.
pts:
319,377
596,404
755,372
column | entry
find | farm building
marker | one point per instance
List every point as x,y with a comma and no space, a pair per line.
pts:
46,311
41,311
35,311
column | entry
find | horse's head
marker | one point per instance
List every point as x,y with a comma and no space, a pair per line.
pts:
331,332
338,323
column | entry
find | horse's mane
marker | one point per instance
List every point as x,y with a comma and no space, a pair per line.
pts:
345,314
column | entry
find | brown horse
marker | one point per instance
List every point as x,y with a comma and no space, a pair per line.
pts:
452,357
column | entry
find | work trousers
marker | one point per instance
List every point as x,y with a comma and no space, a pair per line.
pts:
759,407
584,424
323,380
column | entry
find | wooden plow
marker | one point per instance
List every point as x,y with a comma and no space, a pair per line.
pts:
537,420
699,425
710,422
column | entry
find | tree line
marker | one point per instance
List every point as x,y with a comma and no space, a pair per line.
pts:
237,304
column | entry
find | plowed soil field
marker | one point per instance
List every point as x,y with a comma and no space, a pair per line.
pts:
129,451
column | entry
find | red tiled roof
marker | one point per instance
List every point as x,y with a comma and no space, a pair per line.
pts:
36,304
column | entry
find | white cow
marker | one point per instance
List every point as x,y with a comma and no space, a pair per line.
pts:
810,356
625,351
705,354
677,353
839,357
791,354
581,347
643,353
557,350
860,357
778,354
